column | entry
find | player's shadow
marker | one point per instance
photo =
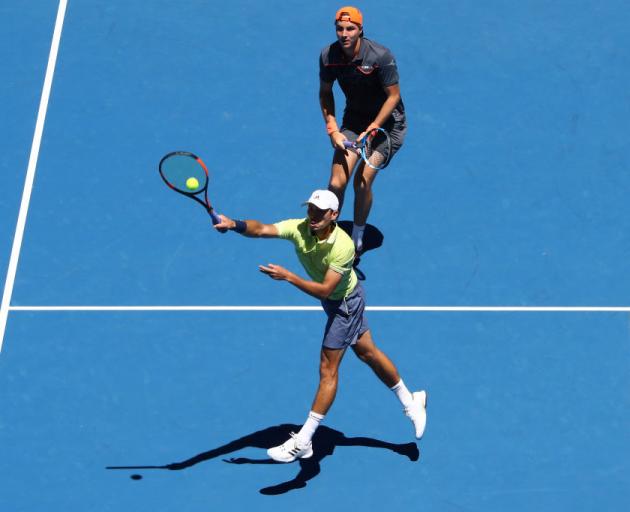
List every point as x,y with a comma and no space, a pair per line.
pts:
325,441
372,239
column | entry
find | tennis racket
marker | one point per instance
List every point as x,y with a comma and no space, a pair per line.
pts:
186,173
375,148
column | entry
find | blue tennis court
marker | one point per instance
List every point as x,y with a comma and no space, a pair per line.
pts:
139,338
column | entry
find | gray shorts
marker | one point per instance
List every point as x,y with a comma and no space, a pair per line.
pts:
346,319
396,129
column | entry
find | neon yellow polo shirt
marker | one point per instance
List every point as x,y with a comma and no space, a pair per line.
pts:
335,253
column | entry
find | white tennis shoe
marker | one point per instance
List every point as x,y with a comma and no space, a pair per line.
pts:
291,450
417,412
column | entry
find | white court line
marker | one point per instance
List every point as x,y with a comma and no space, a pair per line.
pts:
5,306
30,172
462,309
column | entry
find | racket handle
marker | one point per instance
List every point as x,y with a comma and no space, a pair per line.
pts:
348,144
215,220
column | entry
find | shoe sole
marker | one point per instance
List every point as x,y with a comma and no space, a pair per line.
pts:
424,405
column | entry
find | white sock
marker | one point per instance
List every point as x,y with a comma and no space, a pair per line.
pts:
308,429
357,236
403,394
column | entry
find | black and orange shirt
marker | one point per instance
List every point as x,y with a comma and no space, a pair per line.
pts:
362,79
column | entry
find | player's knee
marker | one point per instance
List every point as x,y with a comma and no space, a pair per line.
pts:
327,367
361,184
337,186
328,376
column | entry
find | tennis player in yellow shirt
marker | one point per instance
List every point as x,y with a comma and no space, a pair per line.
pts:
326,252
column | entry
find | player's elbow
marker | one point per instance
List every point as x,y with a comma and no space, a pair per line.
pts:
257,229
393,92
326,292
394,97
325,96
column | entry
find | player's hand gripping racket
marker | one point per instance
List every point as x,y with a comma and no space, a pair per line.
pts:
186,173
375,148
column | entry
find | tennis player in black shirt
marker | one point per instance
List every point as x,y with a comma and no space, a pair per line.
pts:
368,76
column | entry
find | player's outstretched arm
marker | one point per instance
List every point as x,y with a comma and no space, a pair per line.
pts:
249,228
319,290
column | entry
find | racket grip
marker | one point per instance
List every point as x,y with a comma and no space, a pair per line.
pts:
215,220
348,144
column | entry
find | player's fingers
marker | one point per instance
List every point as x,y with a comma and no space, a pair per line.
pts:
342,148
222,221
338,140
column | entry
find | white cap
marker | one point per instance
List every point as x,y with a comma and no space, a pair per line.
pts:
324,200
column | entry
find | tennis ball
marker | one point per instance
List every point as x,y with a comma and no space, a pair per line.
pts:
192,183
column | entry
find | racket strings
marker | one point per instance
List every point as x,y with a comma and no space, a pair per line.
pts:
377,149
184,173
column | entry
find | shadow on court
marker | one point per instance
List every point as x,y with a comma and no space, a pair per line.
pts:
324,443
372,239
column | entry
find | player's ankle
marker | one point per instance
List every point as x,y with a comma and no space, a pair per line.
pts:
357,236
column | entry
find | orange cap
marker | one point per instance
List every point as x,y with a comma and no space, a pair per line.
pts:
349,13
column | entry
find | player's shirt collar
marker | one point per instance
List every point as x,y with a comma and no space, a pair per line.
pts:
330,240
358,58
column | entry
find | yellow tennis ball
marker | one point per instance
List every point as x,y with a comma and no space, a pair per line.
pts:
192,183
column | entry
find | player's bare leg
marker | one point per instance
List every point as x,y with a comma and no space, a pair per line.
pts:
363,198
381,365
330,360
342,166
299,446
414,404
